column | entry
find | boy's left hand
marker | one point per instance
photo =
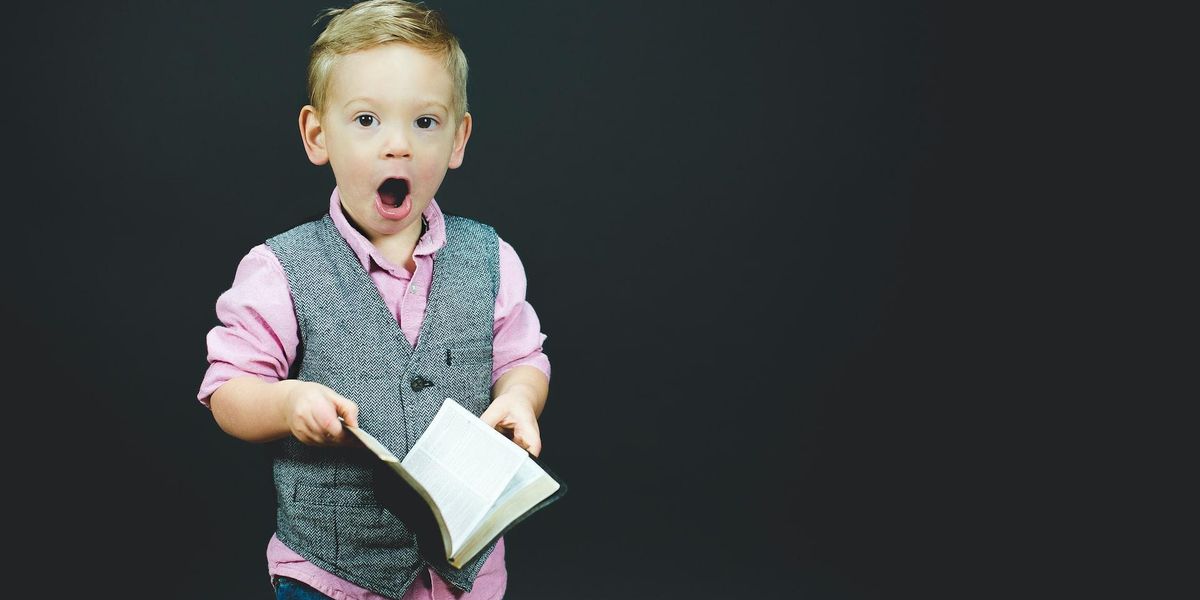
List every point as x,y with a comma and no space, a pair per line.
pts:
512,414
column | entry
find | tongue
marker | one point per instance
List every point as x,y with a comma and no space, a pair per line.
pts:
393,191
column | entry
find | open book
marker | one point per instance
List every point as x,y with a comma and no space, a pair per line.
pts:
477,482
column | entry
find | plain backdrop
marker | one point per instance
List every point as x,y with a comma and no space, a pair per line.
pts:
748,233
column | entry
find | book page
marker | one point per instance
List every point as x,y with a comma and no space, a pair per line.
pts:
527,474
464,465
531,484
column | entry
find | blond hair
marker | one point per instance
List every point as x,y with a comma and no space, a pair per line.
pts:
375,22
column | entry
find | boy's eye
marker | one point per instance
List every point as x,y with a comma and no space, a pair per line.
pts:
426,122
365,120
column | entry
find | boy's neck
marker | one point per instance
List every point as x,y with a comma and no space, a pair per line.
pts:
398,249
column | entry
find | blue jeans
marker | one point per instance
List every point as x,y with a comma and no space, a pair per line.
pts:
287,588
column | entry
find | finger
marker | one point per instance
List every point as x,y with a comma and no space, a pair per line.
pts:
325,437
528,437
329,427
309,432
532,446
492,415
318,430
325,416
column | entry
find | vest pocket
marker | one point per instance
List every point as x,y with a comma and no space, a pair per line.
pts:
341,523
315,514
469,373
334,496
340,346
468,356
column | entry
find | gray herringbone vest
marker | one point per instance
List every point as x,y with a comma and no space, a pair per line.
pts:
328,510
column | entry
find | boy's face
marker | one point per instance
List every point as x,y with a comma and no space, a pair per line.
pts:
389,135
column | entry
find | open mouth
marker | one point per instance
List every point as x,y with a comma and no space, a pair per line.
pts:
393,191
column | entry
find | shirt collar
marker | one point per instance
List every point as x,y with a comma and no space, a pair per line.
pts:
430,242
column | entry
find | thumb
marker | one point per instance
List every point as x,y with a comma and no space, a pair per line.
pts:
346,408
492,415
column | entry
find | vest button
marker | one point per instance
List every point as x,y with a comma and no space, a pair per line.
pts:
419,383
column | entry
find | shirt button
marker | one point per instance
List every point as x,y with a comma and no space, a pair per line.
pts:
412,289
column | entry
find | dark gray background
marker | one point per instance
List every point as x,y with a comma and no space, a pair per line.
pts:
754,234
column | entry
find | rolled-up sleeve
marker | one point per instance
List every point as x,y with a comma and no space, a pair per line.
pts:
258,334
517,333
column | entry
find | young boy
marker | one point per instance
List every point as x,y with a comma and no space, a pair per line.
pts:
374,313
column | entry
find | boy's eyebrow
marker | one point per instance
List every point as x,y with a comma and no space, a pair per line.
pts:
436,103
418,103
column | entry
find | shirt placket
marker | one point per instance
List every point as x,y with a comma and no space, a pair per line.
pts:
412,302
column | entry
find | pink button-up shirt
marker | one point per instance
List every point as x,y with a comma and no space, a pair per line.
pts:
259,336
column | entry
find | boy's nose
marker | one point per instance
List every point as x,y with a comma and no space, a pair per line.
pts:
396,146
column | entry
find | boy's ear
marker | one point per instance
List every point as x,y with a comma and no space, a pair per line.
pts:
460,141
313,135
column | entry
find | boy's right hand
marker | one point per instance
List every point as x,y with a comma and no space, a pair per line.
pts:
312,412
